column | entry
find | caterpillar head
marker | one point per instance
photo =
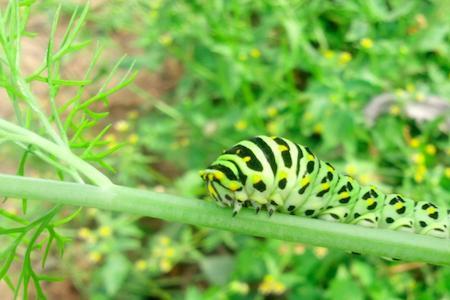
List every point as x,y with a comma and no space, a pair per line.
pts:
220,188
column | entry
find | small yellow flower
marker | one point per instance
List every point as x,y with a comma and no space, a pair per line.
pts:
447,172
351,170
345,57
164,240
165,39
394,110
418,177
112,140
279,288
271,286
328,54
84,233
318,128
272,111
133,139
410,87
414,142
95,256
241,125
418,158
105,231
255,53
122,126
420,173
420,96
165,265
239,287
141,265
170,252
366,43
320,252
430,149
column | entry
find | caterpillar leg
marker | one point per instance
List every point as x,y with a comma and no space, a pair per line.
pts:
369,220
271,209
257,206
237,207
335,214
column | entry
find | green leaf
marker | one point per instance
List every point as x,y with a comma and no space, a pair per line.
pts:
114,272
434,38
343,287
217,268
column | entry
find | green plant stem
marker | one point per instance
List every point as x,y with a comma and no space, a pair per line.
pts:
380,242
19,134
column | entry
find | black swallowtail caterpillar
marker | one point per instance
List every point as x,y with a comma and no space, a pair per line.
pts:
280,175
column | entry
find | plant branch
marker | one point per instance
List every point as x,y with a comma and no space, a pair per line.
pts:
380,242
19,134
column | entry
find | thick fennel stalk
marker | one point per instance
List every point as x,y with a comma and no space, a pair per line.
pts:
380,242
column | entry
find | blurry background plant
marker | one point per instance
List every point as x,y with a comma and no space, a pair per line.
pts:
214,72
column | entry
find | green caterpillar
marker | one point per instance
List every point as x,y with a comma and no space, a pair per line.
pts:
280,175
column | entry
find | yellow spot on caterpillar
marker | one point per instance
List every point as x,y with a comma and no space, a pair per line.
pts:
370,201
283,175
344,195
238,151
234,186
210,176
325,186
211,190
398,205
305,180
310,157
282,148
219,175
330,169
431,210
256,178
247,158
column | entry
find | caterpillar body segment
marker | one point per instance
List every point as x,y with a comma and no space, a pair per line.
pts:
280,175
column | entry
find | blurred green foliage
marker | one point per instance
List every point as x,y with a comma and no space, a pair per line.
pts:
305,70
